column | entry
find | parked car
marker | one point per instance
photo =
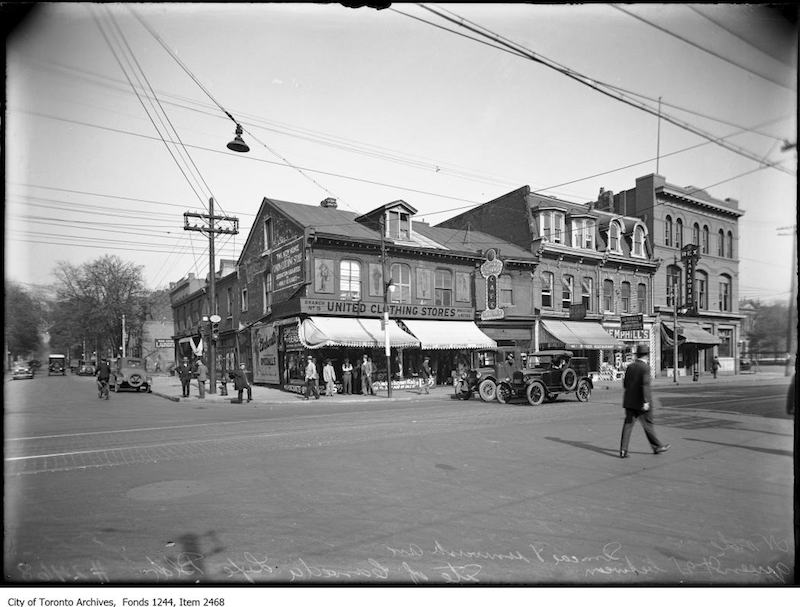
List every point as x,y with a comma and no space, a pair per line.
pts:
546,375
87,369
35,365
128,372
22,372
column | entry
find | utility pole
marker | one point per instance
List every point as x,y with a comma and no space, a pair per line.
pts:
211,231
123,336
791,324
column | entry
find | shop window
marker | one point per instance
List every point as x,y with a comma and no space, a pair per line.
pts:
701,290
725,349
673,285
567,291
641,298
244,300
678,233
608,295
349,279
587,287
705,240
625,297
443,289
547,289
506,291
668,231
721,243
401,276
725,290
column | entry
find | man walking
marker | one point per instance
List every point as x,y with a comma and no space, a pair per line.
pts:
426,373
312,378
185,374
103,376
202,375
637,402
241,383
366,376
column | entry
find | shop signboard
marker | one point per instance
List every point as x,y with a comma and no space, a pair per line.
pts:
287,265
634,322
346,307
629,334
164,343
491,270
690,255
265,354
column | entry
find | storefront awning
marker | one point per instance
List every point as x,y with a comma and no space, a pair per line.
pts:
521,337
449,335
577,335
689,333
325,331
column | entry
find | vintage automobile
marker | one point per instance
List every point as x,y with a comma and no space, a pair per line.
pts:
128,372
87,369
545,376
57,364
22,372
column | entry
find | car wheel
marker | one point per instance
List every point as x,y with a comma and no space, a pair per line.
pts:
135,381
584,391
569,379
536,393
487,390
503,392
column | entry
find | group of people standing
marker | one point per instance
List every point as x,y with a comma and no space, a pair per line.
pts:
353,377
185,372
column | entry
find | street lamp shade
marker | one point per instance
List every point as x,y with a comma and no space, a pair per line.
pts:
391,286
238,144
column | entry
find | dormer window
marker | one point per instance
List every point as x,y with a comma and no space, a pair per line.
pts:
552,225
613,237
398,225
638,241
583,233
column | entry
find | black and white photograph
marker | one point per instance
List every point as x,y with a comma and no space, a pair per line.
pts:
398,296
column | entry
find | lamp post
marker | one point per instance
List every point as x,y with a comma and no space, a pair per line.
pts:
389,287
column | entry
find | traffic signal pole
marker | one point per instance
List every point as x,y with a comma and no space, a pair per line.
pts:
211,231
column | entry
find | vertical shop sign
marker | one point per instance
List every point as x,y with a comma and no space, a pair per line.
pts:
690,255
265,354
490,270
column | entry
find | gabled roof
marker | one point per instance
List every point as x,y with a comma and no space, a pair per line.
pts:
376,213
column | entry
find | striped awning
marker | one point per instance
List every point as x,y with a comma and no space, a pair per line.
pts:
325,331
689,333
575,335
449,335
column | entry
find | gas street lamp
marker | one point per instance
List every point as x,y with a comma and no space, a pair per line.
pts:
388,287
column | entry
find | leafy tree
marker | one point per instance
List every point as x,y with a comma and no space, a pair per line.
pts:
769,329
92,300
23,322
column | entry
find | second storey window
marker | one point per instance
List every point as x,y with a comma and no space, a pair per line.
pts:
725,293
349,279
506,291
587,285
230,302
547,289
625,297
608,295
729,247
401,276
721,243
679,233
443,288
668,231
701,291
673,285
244,300
705,240
267,292
696,235
641,298
567,291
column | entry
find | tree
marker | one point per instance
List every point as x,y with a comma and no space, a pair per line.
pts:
93,297
23,322
768,334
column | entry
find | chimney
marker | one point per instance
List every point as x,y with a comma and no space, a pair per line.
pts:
328,203
605,200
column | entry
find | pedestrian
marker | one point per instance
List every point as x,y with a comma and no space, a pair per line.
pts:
329,376
347,377
426,373
790,398
366,376
202,375
312,378
241,383
185,374
715,366
357,377
103,376
637,402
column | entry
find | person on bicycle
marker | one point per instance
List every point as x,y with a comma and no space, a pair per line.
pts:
103,375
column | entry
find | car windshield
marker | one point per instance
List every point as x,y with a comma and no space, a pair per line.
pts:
539,362
136,364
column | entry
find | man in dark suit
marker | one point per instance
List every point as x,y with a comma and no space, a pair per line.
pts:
638,403
185,373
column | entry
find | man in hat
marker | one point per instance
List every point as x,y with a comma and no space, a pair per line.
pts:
241,383
637,402
425,372
184,372
329,377
312,378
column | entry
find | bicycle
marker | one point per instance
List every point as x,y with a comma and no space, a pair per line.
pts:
102,387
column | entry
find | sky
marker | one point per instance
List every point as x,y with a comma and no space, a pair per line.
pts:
118,116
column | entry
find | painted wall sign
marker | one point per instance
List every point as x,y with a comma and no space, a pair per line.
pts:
630,335
164,343
490,270
287,265
265,354
396,310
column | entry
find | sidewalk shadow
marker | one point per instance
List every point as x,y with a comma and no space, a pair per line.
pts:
585,445
758,449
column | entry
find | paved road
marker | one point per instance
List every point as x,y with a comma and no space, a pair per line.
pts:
140,489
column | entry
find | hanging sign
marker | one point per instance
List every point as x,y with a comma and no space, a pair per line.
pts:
490,270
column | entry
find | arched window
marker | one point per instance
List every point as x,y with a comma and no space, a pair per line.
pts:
721,243
701,290
547,289
641,298
668,231
638,241
506,291
725,293
567,291
613,237
401,276
608,295
625,297
673,285
705,240
443,289
349,279
729,248
696,234
678,233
